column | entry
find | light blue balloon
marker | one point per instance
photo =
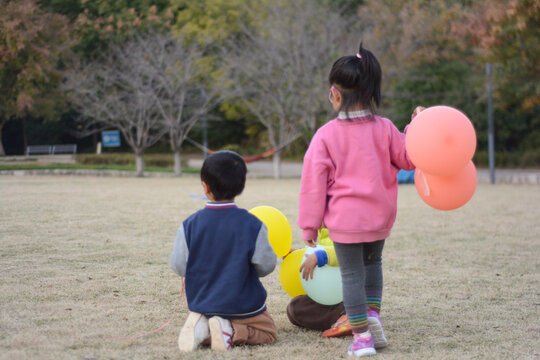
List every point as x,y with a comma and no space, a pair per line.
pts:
310,250
325,288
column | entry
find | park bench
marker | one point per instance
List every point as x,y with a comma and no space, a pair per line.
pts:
64,149
51,149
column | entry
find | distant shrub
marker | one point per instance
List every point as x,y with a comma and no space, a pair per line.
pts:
232,147
150,160
525,159
531,158
106,159
159,160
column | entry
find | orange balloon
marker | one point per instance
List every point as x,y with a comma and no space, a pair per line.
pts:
440,140
447,192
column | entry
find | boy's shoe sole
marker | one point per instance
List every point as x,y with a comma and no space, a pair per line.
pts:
376,329
216,335
187,341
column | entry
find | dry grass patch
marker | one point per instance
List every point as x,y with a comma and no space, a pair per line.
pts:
85,259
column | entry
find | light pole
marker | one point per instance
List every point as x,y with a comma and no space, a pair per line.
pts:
491,125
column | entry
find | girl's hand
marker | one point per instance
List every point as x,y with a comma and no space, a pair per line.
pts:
308,267
311,243
416,111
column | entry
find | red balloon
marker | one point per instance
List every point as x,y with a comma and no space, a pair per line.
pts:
440,140
447,192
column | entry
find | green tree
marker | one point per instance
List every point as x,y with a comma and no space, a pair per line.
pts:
98,22
450,82
517,55
33,45
212,21
343,5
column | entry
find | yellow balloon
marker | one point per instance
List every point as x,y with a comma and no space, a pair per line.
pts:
289,273
279,228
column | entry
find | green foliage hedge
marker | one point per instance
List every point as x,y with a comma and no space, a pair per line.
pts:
525,159
127,159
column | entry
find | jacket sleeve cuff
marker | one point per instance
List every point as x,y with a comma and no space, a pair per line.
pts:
322,258
309,234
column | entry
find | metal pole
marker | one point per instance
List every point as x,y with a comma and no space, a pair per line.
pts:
491,126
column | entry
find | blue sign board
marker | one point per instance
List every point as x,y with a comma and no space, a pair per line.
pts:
110,138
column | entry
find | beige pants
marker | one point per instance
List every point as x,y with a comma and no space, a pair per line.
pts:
256,330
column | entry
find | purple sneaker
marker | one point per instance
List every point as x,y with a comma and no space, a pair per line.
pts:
376,329
362,345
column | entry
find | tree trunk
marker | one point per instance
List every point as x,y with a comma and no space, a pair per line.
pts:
139,164
25,136
2,151
94,138
276,163
178,162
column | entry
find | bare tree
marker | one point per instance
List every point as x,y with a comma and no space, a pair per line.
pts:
119,91
181,74
153,84
280,67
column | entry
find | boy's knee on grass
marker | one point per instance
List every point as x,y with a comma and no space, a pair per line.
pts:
245,335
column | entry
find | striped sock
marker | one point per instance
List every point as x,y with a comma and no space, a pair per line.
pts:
373,298
358,319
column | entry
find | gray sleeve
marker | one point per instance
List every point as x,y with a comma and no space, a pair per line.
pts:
179,256
264,259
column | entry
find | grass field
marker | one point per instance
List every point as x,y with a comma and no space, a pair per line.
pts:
84,262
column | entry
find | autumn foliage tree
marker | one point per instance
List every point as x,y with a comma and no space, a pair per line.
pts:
97,23
435,52
33,45
507,34
431,51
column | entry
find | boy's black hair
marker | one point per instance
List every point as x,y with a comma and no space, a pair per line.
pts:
225,174
358,79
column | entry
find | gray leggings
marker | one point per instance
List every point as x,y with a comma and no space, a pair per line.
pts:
361,274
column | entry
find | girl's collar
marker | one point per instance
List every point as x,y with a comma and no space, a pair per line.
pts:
353,114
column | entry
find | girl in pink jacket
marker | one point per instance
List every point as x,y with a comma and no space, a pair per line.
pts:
349,184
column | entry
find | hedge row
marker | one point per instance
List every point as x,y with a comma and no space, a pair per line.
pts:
150,160
526,159
523,160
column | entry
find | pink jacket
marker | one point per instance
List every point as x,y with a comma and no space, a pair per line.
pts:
349,180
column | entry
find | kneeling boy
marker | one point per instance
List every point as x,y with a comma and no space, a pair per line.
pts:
222,251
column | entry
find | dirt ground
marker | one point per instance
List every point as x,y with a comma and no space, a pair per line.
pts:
85,272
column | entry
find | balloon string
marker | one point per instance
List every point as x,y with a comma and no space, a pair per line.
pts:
149,332
425,186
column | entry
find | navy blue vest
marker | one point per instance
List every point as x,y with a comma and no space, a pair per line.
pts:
220,279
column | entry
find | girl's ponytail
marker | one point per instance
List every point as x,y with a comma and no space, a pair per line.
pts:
358,78
371,70
359,53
